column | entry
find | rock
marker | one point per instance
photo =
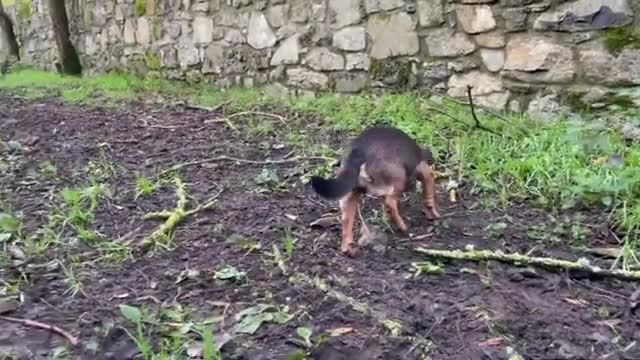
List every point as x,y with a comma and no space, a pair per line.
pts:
603,68
231,18
372,6
393,35
586,15
514,20
202,30
483,84
358,61
344,13
493,40
430,13
7,306
493,59
462,65
168,57
630,131
545,108
260,35
448,43
496,101
475,19
90,47
538,59
288,52
435,70
276,90
129,33
516,3
350,39
300,11
143,31
306,79
234,37
351,82
277,15
187,54
214,58
322,59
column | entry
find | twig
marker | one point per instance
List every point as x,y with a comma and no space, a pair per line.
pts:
259,113
519,260
206,108
39,325
473,113
245,161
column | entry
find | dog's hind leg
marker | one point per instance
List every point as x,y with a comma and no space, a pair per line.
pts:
427,178
348,208
392,203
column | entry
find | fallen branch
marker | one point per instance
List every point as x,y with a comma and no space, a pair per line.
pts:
259,113
245,161
162,235
520,260
206,108
39,325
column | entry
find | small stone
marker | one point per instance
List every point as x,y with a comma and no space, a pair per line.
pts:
393,35
586,15
306,79
276,90
372,6
260,35
358,61
430,13
475,19
436,70
493,59
168,57
288,52
214,58
482,83
202,30
351,82
601,67
350,39
462,65
143,31
545,108
322,59
448,43
7,306
493,40
514,20
234,37
344,13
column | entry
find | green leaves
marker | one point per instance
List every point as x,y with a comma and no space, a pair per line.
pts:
131,313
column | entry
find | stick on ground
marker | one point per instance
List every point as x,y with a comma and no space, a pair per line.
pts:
519,259
39,325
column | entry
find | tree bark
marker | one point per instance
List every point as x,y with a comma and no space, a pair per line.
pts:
69,60
7,27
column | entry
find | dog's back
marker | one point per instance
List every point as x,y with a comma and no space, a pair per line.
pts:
379,159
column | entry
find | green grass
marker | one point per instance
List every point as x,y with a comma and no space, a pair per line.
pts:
547,165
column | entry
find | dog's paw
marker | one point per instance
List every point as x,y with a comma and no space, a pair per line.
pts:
349,250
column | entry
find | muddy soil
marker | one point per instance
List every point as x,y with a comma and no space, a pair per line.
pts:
470,311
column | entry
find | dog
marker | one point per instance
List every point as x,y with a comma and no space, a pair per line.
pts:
381,161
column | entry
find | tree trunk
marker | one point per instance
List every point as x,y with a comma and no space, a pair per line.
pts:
69,60
7,28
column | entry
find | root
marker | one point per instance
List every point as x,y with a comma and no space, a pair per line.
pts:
162,235
524,260
39,325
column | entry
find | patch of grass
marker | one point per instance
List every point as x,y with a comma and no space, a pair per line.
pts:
145,187
618,39
140,7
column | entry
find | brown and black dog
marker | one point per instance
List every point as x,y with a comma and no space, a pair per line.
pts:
381,161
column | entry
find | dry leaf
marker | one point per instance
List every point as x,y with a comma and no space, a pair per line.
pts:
578,302
495,341
291,217
340,331
324,222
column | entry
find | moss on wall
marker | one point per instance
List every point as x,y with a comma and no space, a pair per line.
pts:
140,7
620,38
24,9
392,72
152,60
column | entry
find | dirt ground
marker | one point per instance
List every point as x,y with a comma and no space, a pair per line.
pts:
471,311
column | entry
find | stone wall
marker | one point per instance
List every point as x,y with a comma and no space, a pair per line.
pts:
514,52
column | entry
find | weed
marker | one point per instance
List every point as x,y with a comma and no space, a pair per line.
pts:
289,243
144,187
268,181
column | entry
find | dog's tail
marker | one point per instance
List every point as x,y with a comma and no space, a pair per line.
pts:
347,180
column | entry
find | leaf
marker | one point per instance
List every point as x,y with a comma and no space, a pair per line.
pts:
131,313
4,237
8,223
228,272
282,317
252,311
251,323
305,334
